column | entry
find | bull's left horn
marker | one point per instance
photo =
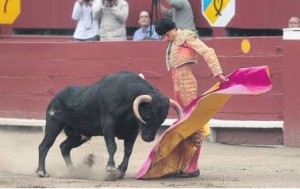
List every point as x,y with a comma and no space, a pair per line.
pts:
177,108
138,100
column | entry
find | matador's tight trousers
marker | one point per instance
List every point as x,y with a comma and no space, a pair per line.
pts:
185,90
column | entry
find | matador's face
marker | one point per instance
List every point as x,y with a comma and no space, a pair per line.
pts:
170,35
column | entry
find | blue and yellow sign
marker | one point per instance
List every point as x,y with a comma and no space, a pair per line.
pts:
218,12
9,11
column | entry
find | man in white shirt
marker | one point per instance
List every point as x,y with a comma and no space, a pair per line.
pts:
87,28
113,15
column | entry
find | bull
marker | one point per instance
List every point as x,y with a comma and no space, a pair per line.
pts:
119,105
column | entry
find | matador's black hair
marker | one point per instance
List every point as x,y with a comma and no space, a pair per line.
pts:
162,26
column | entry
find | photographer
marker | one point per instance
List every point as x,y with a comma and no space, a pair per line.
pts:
181,13
87,28
113,15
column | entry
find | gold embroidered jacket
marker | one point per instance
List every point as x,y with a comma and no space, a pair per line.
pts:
185,49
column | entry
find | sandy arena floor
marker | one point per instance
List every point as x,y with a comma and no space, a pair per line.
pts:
221,165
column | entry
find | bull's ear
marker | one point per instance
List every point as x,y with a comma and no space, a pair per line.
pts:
142,75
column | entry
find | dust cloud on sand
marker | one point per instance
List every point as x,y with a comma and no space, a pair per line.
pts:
19,154
225,166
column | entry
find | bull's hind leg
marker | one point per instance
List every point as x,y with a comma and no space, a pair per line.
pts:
52,129
73,140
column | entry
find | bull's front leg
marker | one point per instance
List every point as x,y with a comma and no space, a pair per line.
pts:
111,148
128,146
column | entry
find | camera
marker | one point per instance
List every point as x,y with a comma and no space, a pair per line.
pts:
155,8
155,2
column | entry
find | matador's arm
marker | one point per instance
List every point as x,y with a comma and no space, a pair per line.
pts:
208,53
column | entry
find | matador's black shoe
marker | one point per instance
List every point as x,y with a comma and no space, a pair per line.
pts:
187,175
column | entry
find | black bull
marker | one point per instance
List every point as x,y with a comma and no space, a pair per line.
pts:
119,105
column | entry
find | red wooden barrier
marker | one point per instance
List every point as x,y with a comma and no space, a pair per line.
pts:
291,93
31,71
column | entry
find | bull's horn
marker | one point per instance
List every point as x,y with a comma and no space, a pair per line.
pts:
177,108
138,100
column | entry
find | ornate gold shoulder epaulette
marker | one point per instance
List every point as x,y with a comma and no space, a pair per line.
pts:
182,36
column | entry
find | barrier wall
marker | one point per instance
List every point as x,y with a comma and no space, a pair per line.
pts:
32,70
292,88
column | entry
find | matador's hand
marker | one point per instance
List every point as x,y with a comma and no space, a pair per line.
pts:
222,78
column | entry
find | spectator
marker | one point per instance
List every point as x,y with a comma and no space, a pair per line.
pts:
182,52
294,22
181,13
113,15
146,31
87,28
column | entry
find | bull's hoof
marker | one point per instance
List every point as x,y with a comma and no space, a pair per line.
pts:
71,170
110,168
111,176
120,174
42,174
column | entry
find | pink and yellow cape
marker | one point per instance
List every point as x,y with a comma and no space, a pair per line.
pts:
173,152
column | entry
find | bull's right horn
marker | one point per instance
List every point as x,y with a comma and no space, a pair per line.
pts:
138,100
177,108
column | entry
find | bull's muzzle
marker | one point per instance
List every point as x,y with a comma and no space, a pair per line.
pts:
148,137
